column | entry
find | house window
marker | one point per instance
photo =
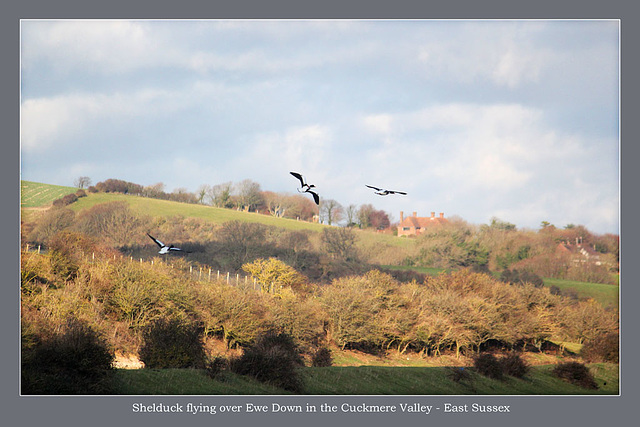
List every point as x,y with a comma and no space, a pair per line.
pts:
406,228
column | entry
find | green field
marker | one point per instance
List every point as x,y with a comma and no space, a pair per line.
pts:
430,271
34,194
607,295
156,207
364,380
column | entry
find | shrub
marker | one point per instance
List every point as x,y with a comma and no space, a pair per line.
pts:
217,366
273,359
66,200
488,365
516,277
322,358
458,373
172,343
514,365
575,373
603,348
273,274
75,361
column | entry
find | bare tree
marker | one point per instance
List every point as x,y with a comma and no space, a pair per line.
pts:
154,190
351,213
331,211
277,203
340,243
82,182
249,194
220,195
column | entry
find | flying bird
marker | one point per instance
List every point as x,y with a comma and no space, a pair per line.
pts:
164,249
383,192
306,188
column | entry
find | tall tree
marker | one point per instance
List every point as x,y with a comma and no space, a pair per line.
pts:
82,182
249,194
331,211
220,195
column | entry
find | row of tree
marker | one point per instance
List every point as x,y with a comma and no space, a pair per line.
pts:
459,311
248,195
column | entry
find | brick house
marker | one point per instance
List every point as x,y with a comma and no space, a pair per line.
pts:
413,225
579,253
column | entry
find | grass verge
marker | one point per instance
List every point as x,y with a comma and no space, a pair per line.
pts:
366,380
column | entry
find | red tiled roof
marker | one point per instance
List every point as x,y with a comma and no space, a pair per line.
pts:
422,222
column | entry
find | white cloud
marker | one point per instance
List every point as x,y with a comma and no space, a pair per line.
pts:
100,46
502,53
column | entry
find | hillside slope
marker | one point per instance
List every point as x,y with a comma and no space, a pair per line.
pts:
35,194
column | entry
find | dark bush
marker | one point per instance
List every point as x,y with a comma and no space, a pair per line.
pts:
66,200
75,361
514,365
575,373
458,373
604,348
81,193
488,365
322,358
172,343
516,277
272,359
217,366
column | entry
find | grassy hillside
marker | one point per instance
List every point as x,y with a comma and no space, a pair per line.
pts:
365,380
165,208
607,295
34,194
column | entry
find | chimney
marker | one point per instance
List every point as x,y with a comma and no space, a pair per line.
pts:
441,215
433,214
415,214
401,216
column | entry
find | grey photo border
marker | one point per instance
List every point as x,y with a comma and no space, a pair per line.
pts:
117,410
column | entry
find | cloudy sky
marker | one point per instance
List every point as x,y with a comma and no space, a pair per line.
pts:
517,120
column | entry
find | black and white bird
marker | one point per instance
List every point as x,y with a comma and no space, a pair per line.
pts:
164,249
306,188
383,192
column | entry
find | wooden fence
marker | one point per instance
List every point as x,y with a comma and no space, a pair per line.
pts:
195,273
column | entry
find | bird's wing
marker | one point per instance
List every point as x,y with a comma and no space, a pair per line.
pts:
173,248
375,188
158,242
297,175
316,198
397,192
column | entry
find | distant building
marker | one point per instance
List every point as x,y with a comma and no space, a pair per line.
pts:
414,225
580,253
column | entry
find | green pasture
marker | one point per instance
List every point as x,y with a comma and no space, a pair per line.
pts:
430,271
365,380
34,194
167,208
607,295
